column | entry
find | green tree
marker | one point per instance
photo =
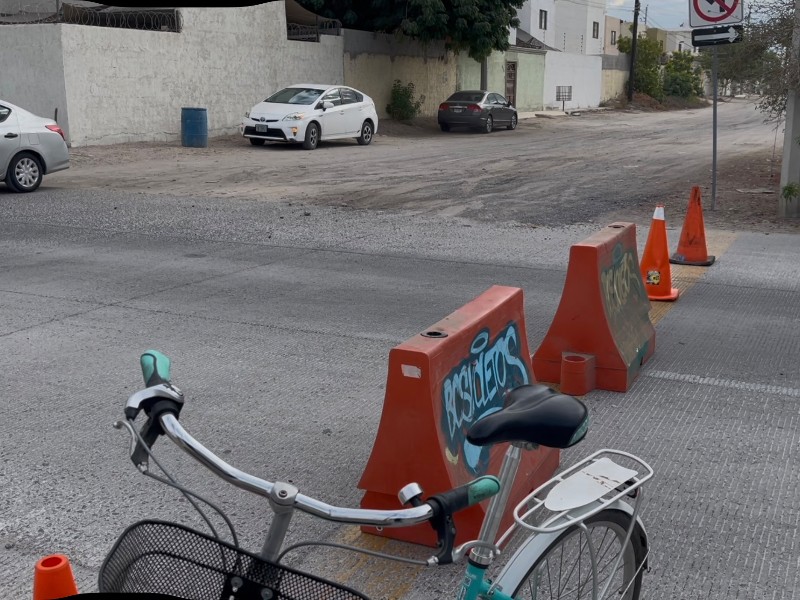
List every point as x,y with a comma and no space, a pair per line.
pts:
647,70
765,61
478,27
753,65
681,77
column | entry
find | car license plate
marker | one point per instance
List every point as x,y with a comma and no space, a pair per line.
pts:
261,128
457,109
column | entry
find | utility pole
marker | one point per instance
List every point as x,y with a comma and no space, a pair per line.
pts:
635,34
790,166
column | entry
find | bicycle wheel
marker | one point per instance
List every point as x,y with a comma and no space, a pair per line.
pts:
564,569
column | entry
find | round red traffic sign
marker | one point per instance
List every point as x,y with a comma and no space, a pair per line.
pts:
714,11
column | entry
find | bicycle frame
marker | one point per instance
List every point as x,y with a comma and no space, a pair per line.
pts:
285,498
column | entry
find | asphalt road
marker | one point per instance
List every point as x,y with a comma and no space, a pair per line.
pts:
547,172
279,317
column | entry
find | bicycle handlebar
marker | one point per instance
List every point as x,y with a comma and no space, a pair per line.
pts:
162,403
357,516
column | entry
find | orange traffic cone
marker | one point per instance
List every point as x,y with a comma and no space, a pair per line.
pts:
655,261
692,245
53,578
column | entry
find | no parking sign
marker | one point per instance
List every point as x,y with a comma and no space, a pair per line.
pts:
703,13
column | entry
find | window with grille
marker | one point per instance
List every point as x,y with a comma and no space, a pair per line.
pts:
595,30
542,19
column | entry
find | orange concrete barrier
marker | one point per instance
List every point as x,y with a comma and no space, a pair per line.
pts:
601,334
439,383
692,248
656,272
53,578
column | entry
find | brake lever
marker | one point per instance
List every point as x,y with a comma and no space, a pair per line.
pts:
142,465
144,399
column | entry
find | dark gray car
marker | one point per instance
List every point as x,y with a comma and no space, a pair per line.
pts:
477,109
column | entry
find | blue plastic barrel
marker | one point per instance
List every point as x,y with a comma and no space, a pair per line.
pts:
194,127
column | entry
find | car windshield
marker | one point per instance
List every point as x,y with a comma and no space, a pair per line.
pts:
466,97
295,96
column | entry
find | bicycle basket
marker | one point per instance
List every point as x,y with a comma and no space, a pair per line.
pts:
166,558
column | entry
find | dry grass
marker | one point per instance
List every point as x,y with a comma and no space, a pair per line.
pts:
643,102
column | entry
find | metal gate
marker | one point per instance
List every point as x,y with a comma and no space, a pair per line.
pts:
511,82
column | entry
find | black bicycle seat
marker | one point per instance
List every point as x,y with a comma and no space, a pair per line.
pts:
536,414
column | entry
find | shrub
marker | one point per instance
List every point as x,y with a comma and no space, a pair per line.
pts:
403,106
680,78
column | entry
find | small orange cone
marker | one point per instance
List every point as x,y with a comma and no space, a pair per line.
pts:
692,245
655,261
53,578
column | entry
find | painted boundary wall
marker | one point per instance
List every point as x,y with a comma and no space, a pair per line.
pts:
583,73
530,75
123,85
615,83
128,85
33,49
372,62
616,69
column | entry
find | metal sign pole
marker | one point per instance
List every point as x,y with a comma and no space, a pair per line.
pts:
714,127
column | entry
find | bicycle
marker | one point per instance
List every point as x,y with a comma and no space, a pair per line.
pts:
588,540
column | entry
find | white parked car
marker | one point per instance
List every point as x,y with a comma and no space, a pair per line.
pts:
30,148
310,113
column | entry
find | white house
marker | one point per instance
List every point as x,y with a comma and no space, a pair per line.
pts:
680,40
579,26
537,17
572,32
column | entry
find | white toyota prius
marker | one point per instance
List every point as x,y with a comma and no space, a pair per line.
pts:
309,114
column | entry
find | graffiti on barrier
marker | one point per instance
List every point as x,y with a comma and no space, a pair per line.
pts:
476,387
626,302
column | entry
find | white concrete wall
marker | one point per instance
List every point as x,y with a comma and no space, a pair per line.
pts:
529,20
32,70
570,27
583,73
595,14
573,26
127,85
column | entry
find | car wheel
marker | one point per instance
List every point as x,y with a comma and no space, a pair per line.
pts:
366,134
444,126
24,173
257,141
489,125
312,136
513,124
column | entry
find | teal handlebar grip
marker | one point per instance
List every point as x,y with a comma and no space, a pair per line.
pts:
482,488
155,368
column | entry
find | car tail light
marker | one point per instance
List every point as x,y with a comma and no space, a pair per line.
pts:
474,108
444,106
58,130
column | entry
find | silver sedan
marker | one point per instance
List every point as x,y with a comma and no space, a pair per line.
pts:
30,147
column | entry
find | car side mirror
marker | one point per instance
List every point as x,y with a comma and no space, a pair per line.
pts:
327,104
